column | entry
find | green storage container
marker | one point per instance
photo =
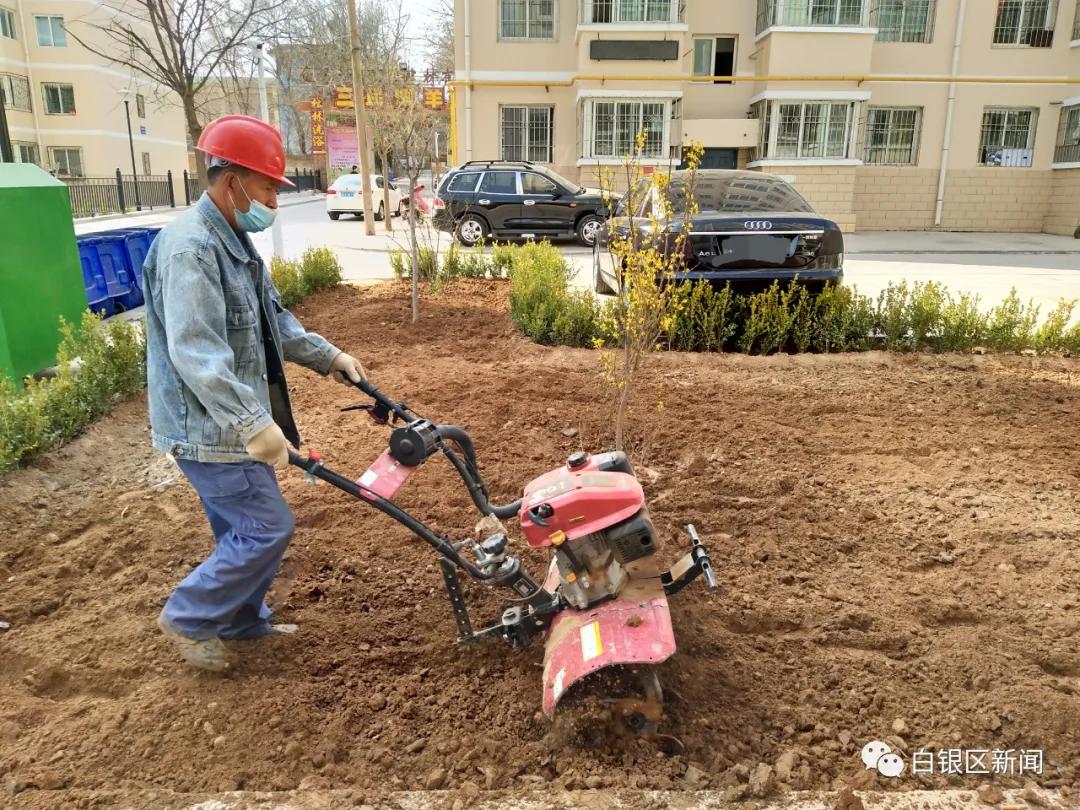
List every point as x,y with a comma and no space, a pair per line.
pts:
40,273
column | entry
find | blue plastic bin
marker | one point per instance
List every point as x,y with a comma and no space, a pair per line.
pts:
97,289
137,245
112,253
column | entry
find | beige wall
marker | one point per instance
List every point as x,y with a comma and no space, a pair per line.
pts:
869,196
98,128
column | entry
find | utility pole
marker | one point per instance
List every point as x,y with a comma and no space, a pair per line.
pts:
264,113
361,119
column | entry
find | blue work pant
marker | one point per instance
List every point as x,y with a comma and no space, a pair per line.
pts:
252,526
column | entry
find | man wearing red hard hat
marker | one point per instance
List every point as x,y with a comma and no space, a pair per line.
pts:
217,339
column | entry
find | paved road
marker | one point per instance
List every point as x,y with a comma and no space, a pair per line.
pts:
1042,267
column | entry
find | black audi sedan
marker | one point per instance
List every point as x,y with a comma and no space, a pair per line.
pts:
749,229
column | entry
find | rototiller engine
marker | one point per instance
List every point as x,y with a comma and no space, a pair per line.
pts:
603,603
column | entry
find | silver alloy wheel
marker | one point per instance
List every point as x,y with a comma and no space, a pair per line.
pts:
590,230
472,231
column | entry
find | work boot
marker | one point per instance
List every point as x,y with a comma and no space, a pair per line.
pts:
208,653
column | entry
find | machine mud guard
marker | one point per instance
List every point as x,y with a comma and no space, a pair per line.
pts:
619,632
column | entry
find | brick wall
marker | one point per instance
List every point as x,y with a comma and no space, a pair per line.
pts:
1063,216
895,198
830,189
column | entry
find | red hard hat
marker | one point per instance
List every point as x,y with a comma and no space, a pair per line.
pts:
247,142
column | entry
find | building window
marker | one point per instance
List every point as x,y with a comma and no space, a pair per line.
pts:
806,130
25,152
50,32
1007,137
15,91
810,12
613,126
1025,22
7,23
1068,140
59,99
714,56
66,161
1076,22
527,133
140,107
905,20
527,19
892,135
146,164
600,12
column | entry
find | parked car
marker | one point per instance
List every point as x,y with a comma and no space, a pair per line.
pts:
502,199
345,196
750,229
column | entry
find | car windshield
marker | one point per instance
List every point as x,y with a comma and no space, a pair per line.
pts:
728,194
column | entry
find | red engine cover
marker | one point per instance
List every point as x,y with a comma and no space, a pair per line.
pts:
584,500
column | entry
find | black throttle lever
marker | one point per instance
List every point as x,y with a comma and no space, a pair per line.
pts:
378,412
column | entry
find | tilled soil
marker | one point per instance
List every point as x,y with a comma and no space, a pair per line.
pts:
896,538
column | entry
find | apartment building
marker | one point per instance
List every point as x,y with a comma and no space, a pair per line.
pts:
886,114
65,106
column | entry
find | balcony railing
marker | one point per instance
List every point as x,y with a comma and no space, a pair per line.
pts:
614,12
1067,153
808,13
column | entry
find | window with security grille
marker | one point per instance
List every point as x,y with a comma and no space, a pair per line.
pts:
25,152
615,126
15,91
628,11
50,32
905,20
67,161
1025,22
810,12
59,99
1067,149
527,19
527,133
892,135
806,130
1007,137
7,23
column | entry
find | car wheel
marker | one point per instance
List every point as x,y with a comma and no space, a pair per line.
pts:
588,229
401,210
470,230
599,284
380,215
334,215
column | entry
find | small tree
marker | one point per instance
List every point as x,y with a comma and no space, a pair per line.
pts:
647,251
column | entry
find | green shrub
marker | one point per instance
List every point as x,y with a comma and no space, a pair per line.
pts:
963,326
502,259
1051,335
541,303
98,365
288,280
1011,325
319,269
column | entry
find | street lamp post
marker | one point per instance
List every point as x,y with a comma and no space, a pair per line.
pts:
131,145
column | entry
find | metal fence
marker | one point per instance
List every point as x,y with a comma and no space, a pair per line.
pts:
303,180
94,196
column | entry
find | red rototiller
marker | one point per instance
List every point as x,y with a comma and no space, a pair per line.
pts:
603,602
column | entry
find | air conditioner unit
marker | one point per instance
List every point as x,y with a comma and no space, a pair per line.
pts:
1040,38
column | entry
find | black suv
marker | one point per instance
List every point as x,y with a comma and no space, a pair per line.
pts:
502,199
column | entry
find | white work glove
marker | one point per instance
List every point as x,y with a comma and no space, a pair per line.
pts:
269,446
347,369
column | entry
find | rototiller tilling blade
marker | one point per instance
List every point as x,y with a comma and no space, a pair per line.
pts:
602,608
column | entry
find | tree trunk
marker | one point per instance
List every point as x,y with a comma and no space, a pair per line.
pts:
194,131
388,219
415,253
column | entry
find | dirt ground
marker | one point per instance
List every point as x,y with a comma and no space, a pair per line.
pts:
896,537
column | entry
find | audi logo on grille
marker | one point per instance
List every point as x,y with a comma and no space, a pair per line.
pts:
757,225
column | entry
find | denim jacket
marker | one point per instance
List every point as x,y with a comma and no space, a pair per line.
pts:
212,373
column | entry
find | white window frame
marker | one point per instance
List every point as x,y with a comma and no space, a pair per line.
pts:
1076,25
1033,128
771,127
528,25
916,136
45,86
781,14
711,39
927,34
17,151
1069,111
10,97
588,9
1017,40
7,23
589,125
66,149
53,19
525,141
